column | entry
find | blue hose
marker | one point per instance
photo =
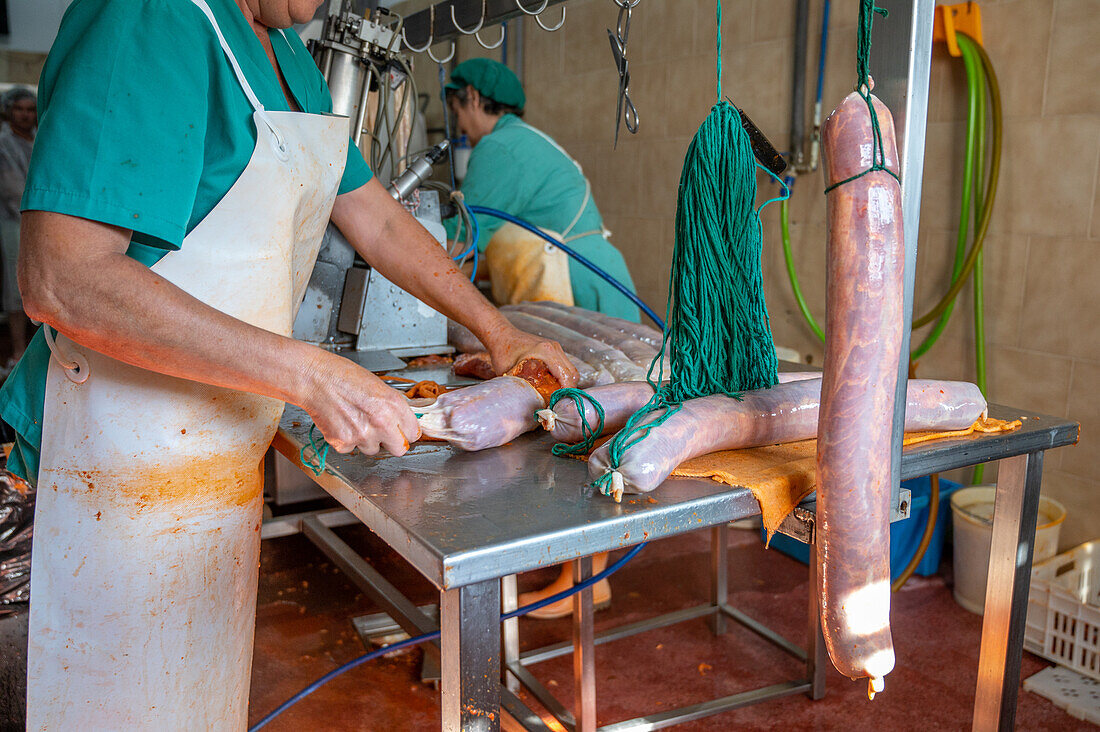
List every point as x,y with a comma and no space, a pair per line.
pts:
822,50
427,637
574,254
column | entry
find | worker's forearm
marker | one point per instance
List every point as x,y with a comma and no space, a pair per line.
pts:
401,250
115,305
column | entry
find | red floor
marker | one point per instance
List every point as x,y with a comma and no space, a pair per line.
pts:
304,630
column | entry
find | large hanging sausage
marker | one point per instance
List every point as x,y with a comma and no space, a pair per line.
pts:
864,324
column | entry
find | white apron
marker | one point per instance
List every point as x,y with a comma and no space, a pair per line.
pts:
147,532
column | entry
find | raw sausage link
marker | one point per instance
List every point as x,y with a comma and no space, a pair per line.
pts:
481,416
480,366
477,365
589,350
784,413
640,353
864,324
644,333
618,401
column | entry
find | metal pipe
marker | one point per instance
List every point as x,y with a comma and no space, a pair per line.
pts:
798,99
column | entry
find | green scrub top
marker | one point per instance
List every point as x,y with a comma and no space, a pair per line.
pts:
143,125
519,170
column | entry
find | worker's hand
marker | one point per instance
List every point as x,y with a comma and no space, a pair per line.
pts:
353,408
511,345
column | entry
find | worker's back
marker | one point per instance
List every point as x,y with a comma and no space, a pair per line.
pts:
521,170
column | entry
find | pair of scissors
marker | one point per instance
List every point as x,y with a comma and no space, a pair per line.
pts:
625,108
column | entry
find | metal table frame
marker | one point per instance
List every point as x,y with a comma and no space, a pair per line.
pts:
462,528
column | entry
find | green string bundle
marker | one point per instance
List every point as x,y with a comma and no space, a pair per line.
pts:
718,334
867,10
588,433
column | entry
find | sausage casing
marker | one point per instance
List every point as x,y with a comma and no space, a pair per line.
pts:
864,328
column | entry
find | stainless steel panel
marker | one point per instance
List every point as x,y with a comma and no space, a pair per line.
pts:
392,318
315,315
353,300
901,62
345,80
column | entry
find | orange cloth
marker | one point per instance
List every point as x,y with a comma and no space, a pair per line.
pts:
780,476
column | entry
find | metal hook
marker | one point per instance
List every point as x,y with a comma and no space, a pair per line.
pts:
486,46
442,60
532,12
538,19
431,34
462,30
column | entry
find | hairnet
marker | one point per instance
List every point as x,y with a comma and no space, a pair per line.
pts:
13,95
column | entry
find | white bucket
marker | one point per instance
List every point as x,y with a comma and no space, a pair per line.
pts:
972,518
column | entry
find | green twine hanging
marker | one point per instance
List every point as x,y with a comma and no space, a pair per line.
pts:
718,334
867,10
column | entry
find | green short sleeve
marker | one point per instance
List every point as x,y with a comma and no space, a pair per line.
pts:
492,180
124,117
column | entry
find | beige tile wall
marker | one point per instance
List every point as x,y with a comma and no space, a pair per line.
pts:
1043,250
21,67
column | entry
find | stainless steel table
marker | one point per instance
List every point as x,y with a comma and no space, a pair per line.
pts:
467,521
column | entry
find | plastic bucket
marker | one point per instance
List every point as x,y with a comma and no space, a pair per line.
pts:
972,519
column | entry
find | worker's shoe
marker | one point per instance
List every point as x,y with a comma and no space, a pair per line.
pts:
601,598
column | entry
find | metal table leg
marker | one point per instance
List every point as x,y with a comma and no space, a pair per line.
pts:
509,602
471,657
719,575
817,658
584,649
1010,554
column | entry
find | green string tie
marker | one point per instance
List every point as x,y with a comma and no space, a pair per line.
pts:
867,10
588,434
718,334
317,457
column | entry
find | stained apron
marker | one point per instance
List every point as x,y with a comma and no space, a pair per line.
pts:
147,531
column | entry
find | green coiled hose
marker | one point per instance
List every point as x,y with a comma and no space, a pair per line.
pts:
980,73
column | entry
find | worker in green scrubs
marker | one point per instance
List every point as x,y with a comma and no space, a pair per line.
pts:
520,170
183,176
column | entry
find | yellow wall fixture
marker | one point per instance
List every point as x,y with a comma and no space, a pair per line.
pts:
964,17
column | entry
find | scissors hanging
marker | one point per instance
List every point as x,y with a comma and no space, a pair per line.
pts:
625,111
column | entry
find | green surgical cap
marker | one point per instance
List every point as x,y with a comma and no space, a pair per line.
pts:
492,79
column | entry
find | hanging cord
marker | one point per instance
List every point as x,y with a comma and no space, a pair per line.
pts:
588,434
867,10
718,337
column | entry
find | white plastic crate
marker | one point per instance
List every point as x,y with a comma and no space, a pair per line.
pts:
1063,614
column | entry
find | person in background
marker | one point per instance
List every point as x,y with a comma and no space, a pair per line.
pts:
20,109
520,170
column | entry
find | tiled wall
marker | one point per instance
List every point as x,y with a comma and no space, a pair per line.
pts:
1042,264
20,67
